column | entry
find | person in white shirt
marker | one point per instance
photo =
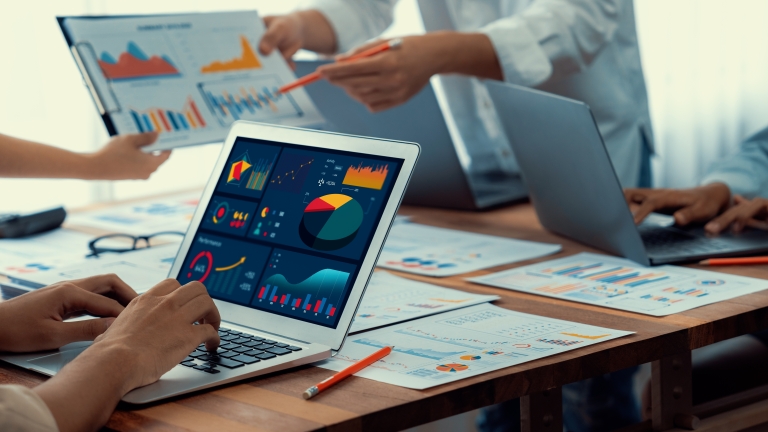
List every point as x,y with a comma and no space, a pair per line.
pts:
581,49
137,340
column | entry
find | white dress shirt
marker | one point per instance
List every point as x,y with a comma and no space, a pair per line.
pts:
581,49
746,171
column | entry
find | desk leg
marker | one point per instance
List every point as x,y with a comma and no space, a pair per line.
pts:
542,411
671,393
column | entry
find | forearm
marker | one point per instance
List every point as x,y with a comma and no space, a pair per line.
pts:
464,53
317,32
27,159
84,394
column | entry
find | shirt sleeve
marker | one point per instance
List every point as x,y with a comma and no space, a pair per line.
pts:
22,410
354,21
746,171
553,38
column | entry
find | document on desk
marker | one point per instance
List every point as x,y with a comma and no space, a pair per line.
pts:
172,213
42,252
459,344
623,284
141,269
186,76
390,299
432,251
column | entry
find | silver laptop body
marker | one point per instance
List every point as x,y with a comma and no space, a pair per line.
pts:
574,187
285,238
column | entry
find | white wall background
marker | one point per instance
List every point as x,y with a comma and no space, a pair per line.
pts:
705,61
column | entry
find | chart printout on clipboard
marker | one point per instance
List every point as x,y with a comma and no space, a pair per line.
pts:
186,76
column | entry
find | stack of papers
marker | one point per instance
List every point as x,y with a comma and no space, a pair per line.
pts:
142,218
622,284
431,251
390,299
43,252
459,344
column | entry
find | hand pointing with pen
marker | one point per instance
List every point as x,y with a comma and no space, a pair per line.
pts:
389,78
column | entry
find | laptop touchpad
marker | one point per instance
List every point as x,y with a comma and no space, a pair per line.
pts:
54,362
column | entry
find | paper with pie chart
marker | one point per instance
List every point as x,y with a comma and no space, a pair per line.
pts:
391,299
623,284
463,343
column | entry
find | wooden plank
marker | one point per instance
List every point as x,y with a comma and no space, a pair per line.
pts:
753,417
542,412
671,392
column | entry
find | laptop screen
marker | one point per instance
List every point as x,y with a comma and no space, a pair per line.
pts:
288,227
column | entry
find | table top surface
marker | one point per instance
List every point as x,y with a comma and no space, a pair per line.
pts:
273,402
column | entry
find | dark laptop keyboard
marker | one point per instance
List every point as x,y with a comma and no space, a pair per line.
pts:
237,349
671,242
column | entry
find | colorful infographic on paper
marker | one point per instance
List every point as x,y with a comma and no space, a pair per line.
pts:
622,284
463,343
187,77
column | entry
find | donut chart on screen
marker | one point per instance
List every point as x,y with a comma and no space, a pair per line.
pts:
330,222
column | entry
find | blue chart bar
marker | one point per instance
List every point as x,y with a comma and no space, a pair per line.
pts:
137,121
287,299
328,309
322,304
614,279
600,272
272,294
172,118
147,123
638,283
183,122
306,301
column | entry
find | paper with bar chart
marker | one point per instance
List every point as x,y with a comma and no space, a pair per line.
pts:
622,284
463,343
186,76
433,251
391,299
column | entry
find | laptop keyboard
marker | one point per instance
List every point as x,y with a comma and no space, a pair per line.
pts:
671,242
237,349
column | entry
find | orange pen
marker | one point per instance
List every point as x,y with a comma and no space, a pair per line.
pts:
314,76
735,261
351,370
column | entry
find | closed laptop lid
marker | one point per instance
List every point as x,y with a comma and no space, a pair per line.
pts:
290,225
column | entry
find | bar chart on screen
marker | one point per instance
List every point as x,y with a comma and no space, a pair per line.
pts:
303,286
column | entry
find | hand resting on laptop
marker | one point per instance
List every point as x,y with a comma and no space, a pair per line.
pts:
137,339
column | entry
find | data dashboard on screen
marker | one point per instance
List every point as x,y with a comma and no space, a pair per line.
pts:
288,227
186,76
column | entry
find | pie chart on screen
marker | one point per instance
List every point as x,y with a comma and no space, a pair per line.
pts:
330,222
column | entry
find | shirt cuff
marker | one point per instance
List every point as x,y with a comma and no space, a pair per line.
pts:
739,184
21,409
522,59
346,25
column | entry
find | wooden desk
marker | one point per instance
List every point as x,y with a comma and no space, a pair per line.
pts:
274,403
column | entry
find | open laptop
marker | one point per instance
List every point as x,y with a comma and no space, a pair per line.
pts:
574,187
285,238
439,180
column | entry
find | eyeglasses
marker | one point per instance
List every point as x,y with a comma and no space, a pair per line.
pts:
121,243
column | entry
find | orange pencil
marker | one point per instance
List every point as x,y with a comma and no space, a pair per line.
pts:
314,76
351,370
735,261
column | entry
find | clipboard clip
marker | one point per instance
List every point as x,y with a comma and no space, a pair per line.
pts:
102,105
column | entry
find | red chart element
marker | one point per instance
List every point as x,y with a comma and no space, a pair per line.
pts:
319,205
194,265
